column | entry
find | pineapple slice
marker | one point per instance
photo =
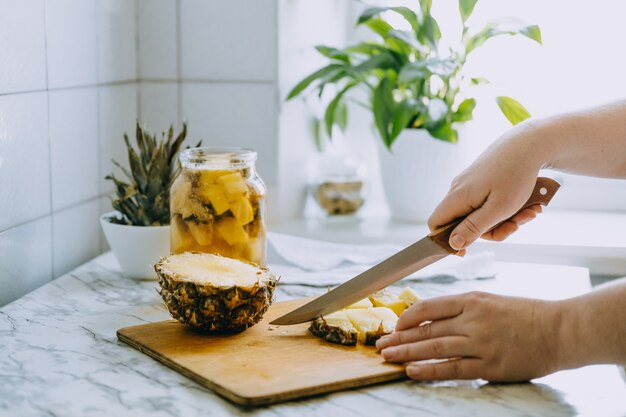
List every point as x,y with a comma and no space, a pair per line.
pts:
409,296
242,210
214,194
202,233
386,298
364,303
234,186
209,177
230,231
335,328
371,325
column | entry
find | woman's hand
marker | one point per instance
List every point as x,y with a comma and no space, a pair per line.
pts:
493,189
482,335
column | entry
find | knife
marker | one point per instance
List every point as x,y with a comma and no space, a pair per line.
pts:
422,253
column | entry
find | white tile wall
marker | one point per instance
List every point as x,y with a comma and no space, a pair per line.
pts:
157,39
75,236
73,146
23,46
235,114
71,42
225,40
75,75
117,115
24,158
117,58
158,106
25,258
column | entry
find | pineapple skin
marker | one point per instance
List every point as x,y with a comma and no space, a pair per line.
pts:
212,309
333,334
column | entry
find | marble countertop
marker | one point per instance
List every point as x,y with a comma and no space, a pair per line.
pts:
59,356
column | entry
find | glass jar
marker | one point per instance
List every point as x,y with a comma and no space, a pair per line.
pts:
217,204
339,185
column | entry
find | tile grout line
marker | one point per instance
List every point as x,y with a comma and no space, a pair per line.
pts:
179,89
45,25
69,207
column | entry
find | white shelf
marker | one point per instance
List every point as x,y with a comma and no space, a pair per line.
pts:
595,240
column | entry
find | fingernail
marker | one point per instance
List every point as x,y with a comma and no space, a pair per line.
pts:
381,343
457,242
388,353
413,371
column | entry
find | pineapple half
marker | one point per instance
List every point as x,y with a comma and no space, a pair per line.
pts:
213,293
365,321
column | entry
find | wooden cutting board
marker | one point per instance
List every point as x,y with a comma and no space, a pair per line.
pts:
265,364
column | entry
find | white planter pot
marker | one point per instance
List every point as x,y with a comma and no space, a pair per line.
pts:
417,173
137,248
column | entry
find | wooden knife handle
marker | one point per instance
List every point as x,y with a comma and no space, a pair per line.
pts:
544,190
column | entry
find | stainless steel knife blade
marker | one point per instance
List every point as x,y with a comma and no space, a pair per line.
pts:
424,252
411,259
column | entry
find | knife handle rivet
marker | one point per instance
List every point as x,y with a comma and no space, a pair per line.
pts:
543,191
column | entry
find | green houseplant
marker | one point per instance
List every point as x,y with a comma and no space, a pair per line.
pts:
138,228
412,83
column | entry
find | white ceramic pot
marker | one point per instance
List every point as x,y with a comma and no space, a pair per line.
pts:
137,248
417,173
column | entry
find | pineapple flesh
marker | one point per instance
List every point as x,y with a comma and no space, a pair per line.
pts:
212,293
336,328
365,321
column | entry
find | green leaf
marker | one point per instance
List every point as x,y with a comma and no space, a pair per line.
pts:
465,111
466,7
403,114
366,48
492,30
341,115
512,109
380,61
331,110
379,26
413,72
382,107
333,53
408,14
302,85
429,32
370,13
407,39
532,32
444,132
479,81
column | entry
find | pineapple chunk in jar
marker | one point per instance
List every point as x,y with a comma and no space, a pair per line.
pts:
217,205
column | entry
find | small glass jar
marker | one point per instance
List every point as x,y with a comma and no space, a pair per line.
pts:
217,204
339,185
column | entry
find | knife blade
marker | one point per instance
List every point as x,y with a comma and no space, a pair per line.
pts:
420,254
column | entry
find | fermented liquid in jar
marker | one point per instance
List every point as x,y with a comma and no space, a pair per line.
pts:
217,204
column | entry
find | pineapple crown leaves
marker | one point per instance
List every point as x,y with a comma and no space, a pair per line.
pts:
143,199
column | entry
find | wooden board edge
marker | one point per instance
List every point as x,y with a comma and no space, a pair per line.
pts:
216,388
250,401
322,389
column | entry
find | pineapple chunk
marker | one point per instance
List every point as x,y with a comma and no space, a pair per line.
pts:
180,239
386,298
409,296
234,186
208,177
371,325
215,195
202,233
242,210
230,231
364,303
335,328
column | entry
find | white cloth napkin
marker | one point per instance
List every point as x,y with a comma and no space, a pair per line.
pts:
302,261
